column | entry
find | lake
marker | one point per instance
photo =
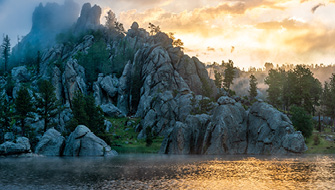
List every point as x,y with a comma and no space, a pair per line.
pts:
148,171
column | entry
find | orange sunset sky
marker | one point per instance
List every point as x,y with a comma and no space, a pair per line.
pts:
282,31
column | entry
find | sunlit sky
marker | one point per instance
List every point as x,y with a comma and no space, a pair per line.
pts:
250,32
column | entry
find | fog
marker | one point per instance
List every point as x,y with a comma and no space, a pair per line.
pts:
16,15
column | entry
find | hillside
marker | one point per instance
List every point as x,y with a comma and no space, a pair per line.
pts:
144,75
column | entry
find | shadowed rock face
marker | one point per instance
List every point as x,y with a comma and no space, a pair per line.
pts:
160,85
82,142
48,21
231,130
89,18
51,144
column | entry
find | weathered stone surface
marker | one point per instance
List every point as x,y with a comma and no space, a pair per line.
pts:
223,100
51,144
229,130
187,138
56,81
195,75
82,142
110,85
73,79
124,89
112,111
271,132
9,136
89,18
21,146
21,74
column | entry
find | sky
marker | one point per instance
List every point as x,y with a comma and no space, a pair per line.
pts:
249,32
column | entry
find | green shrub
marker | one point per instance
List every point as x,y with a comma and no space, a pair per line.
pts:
302,121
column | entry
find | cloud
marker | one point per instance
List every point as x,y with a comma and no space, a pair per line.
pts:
210,49
317,6
314,41
288,23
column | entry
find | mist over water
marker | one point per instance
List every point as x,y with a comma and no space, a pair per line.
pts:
169,172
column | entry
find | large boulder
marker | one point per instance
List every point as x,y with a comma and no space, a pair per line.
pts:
82,142
232,130
272,132
188,137
105,89
112,111
227,133
51,144
21,74
21,146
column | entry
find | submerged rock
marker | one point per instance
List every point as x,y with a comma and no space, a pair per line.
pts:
82,142
51,144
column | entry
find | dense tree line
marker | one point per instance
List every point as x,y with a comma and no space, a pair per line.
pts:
293,87
44,105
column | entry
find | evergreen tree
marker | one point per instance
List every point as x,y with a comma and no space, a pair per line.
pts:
47,105
6,51
78,110
253,87
95,61
85,112
229,74
38,61
6,109
218,79
302,121
23,107
96,121
275,80
328,98
154,29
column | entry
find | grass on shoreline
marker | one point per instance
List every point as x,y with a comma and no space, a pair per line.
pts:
324,147
122,137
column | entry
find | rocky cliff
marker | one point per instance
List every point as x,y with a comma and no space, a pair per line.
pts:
146,76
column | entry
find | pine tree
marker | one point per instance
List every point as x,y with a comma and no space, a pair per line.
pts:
218,79
229,74
23,107
85,112
47,105
6,109
253,87
275,81
328,98
6,50
95,114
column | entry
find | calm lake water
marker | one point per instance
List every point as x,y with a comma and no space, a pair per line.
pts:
134,171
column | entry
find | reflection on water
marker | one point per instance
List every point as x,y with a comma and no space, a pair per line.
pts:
169,172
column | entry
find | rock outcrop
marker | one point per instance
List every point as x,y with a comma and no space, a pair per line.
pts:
112,111
73,79
47,22
271,132
231,130
89,18
21,74
51,144
82,142
21,146
146,76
